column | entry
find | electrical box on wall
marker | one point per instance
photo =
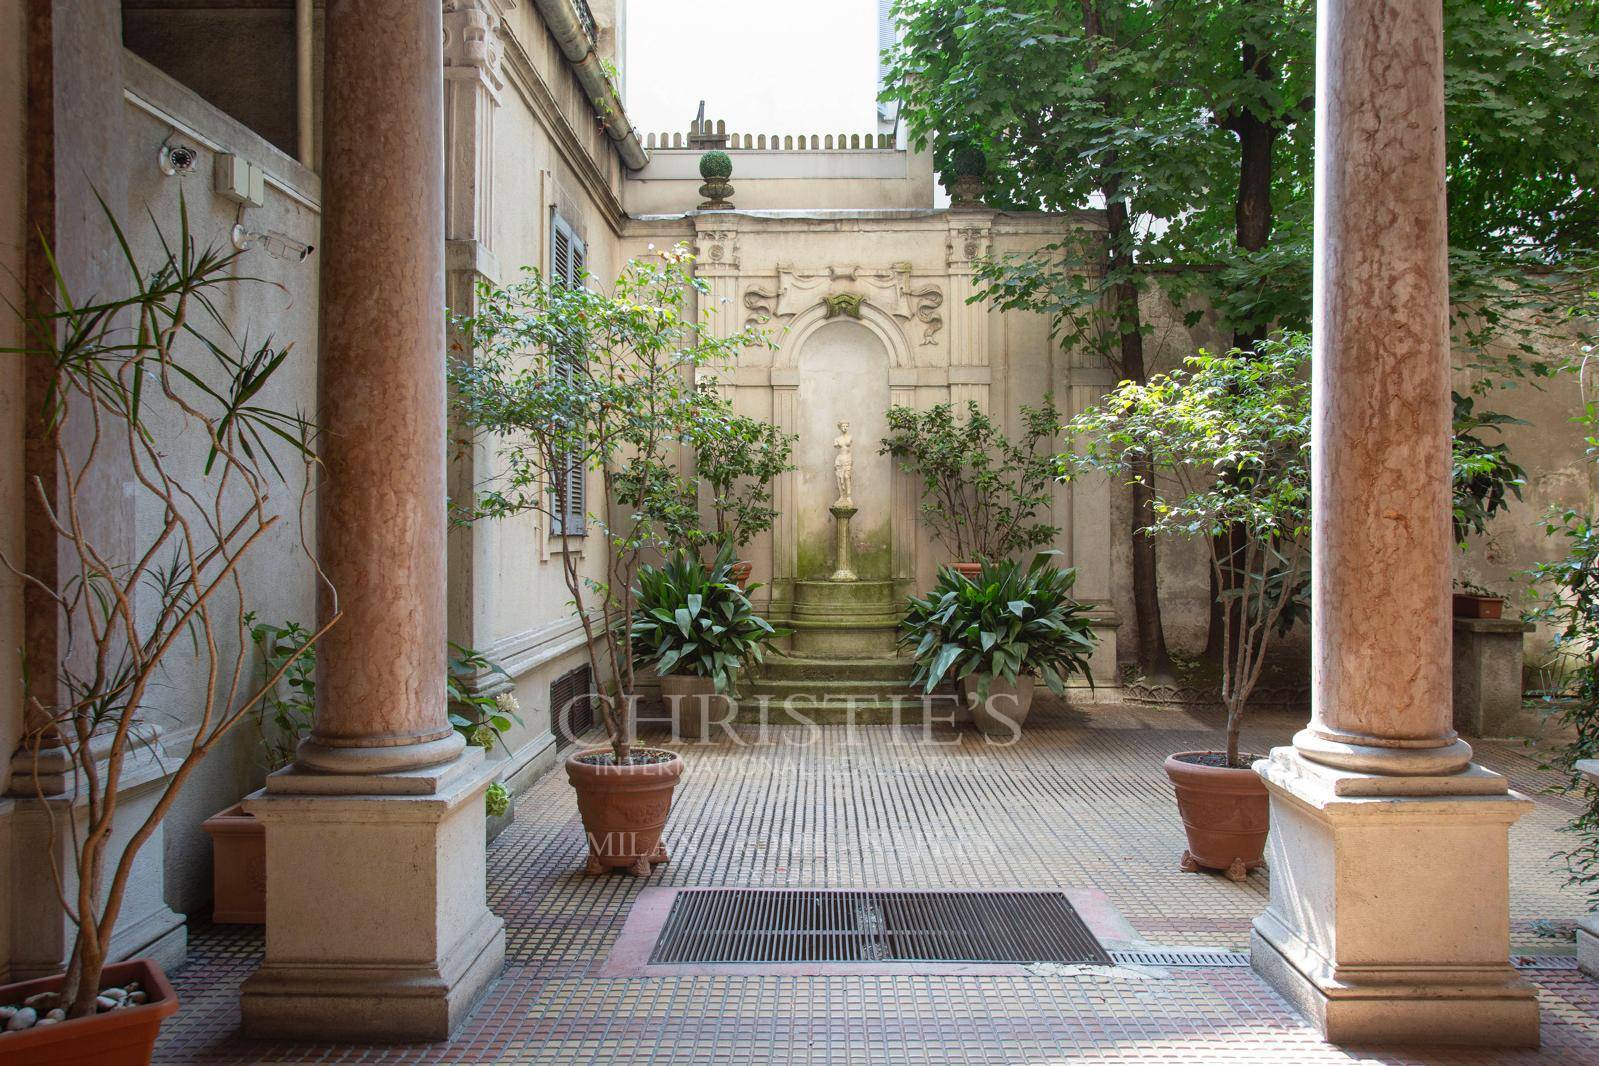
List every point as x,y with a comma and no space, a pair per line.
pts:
240,181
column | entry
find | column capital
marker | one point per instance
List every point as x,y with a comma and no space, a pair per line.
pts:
473,47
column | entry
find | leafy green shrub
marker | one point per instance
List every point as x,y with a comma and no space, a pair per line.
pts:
981,493
1009,621
497,800
737,458
694,619
482,719
290,705
1484,474
1568,604
716,165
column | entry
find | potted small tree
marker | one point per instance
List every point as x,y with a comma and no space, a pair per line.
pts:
1233,434
564,382
995,634
145,395
694,624
981,492
737,459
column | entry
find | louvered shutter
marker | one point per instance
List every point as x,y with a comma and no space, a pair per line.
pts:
567,257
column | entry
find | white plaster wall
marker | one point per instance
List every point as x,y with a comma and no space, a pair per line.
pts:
278,578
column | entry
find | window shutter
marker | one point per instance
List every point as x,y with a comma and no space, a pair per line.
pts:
566,268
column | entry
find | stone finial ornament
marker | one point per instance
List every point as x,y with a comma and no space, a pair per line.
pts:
716,168
968,166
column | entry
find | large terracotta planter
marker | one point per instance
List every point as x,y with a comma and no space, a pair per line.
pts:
1225,811
1468,606
967,570
238,867
1005,710
122,1037
741,572
694,704
624,808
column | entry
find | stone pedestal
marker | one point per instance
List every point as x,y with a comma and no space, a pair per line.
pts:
41,933
1487,677
843,565
410,946
1390,905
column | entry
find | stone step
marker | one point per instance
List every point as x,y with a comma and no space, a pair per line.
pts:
909,710
870,687
799,667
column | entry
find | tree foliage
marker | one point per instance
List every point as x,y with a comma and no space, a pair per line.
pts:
1231,435
566,374
981,492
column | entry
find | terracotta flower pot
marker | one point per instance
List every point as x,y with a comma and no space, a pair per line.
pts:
1468,606
741,572
1005,710
967,570
624,808
694,704
122,1037
238,866
1225,811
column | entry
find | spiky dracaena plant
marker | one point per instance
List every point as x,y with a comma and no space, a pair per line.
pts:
152,391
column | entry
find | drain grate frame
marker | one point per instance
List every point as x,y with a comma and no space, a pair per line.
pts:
784,927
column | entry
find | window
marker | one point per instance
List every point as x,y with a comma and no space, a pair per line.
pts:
568,256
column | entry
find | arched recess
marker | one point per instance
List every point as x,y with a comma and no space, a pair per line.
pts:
880,322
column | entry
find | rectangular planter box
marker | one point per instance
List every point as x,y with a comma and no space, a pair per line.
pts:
238,870
1478,606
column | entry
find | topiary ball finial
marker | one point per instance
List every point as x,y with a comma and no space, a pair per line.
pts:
715,165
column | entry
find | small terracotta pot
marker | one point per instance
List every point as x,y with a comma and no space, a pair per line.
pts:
1468,606
1226,813
967,570
122,1037
1005,710
624,809
694,704
238,867
741,572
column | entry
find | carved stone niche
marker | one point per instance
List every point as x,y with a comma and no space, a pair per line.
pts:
844,290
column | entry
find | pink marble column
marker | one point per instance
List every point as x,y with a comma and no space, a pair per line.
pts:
381,518
1380,630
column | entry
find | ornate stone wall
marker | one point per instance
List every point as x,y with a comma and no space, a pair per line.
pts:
867,309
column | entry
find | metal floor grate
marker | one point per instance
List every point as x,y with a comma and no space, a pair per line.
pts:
790,926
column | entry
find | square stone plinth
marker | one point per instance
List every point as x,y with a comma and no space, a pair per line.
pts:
1389,920
377,926
1488,659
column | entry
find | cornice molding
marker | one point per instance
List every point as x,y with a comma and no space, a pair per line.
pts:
535,92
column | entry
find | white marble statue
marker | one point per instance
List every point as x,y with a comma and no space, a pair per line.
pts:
844,465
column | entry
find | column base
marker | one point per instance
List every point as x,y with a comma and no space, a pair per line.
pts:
376,1003
377,926
1389,920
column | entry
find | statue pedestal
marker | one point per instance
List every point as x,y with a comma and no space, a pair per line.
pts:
843,570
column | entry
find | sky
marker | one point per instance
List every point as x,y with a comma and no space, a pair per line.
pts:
764,66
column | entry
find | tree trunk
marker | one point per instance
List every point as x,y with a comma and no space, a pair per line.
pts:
1154,661
1253,220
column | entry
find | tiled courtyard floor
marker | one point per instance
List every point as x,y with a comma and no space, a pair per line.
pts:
1080,803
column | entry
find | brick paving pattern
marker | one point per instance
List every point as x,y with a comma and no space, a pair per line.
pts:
1080,803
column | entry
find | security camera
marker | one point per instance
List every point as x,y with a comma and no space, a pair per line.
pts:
178,159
